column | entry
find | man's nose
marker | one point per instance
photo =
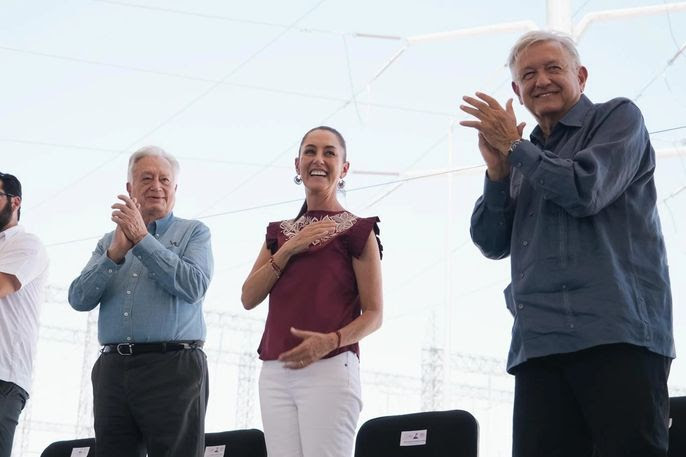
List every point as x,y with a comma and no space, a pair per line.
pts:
542,78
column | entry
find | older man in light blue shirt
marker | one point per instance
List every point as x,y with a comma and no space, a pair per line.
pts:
149,277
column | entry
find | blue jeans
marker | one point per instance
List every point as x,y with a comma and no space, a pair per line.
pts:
12,401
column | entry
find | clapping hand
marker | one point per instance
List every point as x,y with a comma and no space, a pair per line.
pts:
128,217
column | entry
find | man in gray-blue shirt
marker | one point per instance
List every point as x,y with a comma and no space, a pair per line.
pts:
575,209
149,276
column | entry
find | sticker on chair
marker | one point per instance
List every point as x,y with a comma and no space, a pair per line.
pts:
79,452
215,451
413,438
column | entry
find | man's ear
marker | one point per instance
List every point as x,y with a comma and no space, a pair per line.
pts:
15,203
128,188
582,75
515,89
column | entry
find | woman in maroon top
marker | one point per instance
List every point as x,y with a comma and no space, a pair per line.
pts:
322,272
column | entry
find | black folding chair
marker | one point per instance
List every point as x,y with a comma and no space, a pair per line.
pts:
677,429
430,434
236,443
83,448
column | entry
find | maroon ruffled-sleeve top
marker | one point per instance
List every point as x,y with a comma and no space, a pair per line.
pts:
317,290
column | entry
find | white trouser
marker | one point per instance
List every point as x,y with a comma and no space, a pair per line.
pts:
313,411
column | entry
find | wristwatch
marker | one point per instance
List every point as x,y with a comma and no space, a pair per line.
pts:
513,145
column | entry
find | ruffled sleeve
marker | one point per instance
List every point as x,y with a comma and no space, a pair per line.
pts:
272,237
359,233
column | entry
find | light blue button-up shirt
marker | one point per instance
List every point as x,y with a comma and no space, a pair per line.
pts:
578,216
156,294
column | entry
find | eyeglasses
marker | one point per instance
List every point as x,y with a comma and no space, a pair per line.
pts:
7,195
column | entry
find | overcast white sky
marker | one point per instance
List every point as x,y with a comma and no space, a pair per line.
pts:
230,87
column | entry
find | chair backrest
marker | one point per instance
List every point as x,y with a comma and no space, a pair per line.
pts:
236,443
430,434
73,448
677,430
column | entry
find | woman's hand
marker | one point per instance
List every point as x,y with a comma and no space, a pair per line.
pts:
302,240
313,347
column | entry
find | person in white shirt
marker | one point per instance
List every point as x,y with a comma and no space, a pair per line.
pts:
23,274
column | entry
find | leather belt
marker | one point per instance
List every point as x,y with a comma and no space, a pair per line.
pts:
147,348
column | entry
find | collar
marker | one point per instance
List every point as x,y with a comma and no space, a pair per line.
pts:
11,232
160,226
573,118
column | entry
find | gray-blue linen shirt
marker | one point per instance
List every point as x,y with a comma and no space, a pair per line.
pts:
156,294
578,217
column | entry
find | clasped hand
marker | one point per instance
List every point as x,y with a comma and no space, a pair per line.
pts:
130,227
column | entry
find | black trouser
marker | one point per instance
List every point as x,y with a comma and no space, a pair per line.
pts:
12,401
154,402
606,401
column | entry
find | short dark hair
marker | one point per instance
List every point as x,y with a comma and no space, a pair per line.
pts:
12,187
336,133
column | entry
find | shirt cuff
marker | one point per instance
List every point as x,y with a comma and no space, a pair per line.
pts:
146,246
496,193
525,157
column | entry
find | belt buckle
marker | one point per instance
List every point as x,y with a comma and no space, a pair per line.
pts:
125,345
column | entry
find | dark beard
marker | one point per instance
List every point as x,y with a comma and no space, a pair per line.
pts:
5,215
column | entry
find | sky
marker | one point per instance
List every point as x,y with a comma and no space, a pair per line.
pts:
230,87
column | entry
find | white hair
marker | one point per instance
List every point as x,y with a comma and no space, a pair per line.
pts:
153,151
539,36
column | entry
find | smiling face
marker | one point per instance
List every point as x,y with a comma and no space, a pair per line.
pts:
153,185
321,162
547,82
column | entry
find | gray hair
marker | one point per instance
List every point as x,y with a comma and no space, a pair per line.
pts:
539,36
153,151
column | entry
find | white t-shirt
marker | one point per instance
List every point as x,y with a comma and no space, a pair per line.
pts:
24,256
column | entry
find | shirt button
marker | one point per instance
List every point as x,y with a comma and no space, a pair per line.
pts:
525,243
109,271
126,314
157,235
571,325
518,164
128,292
520,306
97,288
128,338
564,286
540,181
135,275
138,257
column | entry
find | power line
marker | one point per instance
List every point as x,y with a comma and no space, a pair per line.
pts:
216,17
185,107
286,202
185,77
